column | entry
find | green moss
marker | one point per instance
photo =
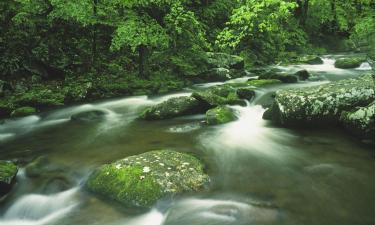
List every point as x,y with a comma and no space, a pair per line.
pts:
220,115
23,111
128,185
8,171
41,96
259,83
349,63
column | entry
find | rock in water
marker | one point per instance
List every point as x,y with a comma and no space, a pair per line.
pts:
311,59
174,107
220,115
321,104
89,116
219,95
349,63
141,180
361,121
8,172
302,74
23,111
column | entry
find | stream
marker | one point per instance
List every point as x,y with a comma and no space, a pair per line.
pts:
261,174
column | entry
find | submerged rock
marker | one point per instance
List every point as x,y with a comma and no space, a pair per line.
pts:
321,104
89,116
223,60
174,107
220,115
349,63
141,180
8,172
218,95
360,121
23,111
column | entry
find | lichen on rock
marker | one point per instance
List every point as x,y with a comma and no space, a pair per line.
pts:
141,180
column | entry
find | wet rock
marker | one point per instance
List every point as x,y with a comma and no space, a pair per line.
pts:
220,115
302,75
262,83
360,121
311,59
321,104
89,116
216,74
246,93
223,60
6,108
143,179
23,111
8,172
174,107
218,95
349,63
285,78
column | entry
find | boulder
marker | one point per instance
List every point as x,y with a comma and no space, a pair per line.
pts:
311,59
246,93
223,60
302,75
89,116
219,95
23,111
174,107
216,74
285,78
8,172
321,104
143,179
360,121
349,63
5,108
220,115
262,83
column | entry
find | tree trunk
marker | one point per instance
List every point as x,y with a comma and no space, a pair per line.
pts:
142,64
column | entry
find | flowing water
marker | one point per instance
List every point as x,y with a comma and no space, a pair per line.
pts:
261,174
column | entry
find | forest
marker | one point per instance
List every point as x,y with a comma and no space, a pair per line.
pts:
187,112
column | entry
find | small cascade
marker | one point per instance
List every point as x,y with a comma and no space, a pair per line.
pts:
365,66
36,209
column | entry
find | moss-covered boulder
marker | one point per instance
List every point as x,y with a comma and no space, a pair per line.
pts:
6,107
247,93
89,116
23,111
223,60
218,95
285,78
174,107
311,59
349,63
302,75
143,179
262,83
360,121
321,104
8,172
220,115
216,74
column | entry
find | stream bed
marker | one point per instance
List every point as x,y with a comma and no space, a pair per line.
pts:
261,174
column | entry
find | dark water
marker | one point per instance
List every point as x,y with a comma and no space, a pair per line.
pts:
261,174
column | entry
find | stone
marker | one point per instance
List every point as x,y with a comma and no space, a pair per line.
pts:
220,115
218,95
89,116
321,104
8,172
23,111
311,59
174,107
217,60
360,121
142,180
302,75
349,63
